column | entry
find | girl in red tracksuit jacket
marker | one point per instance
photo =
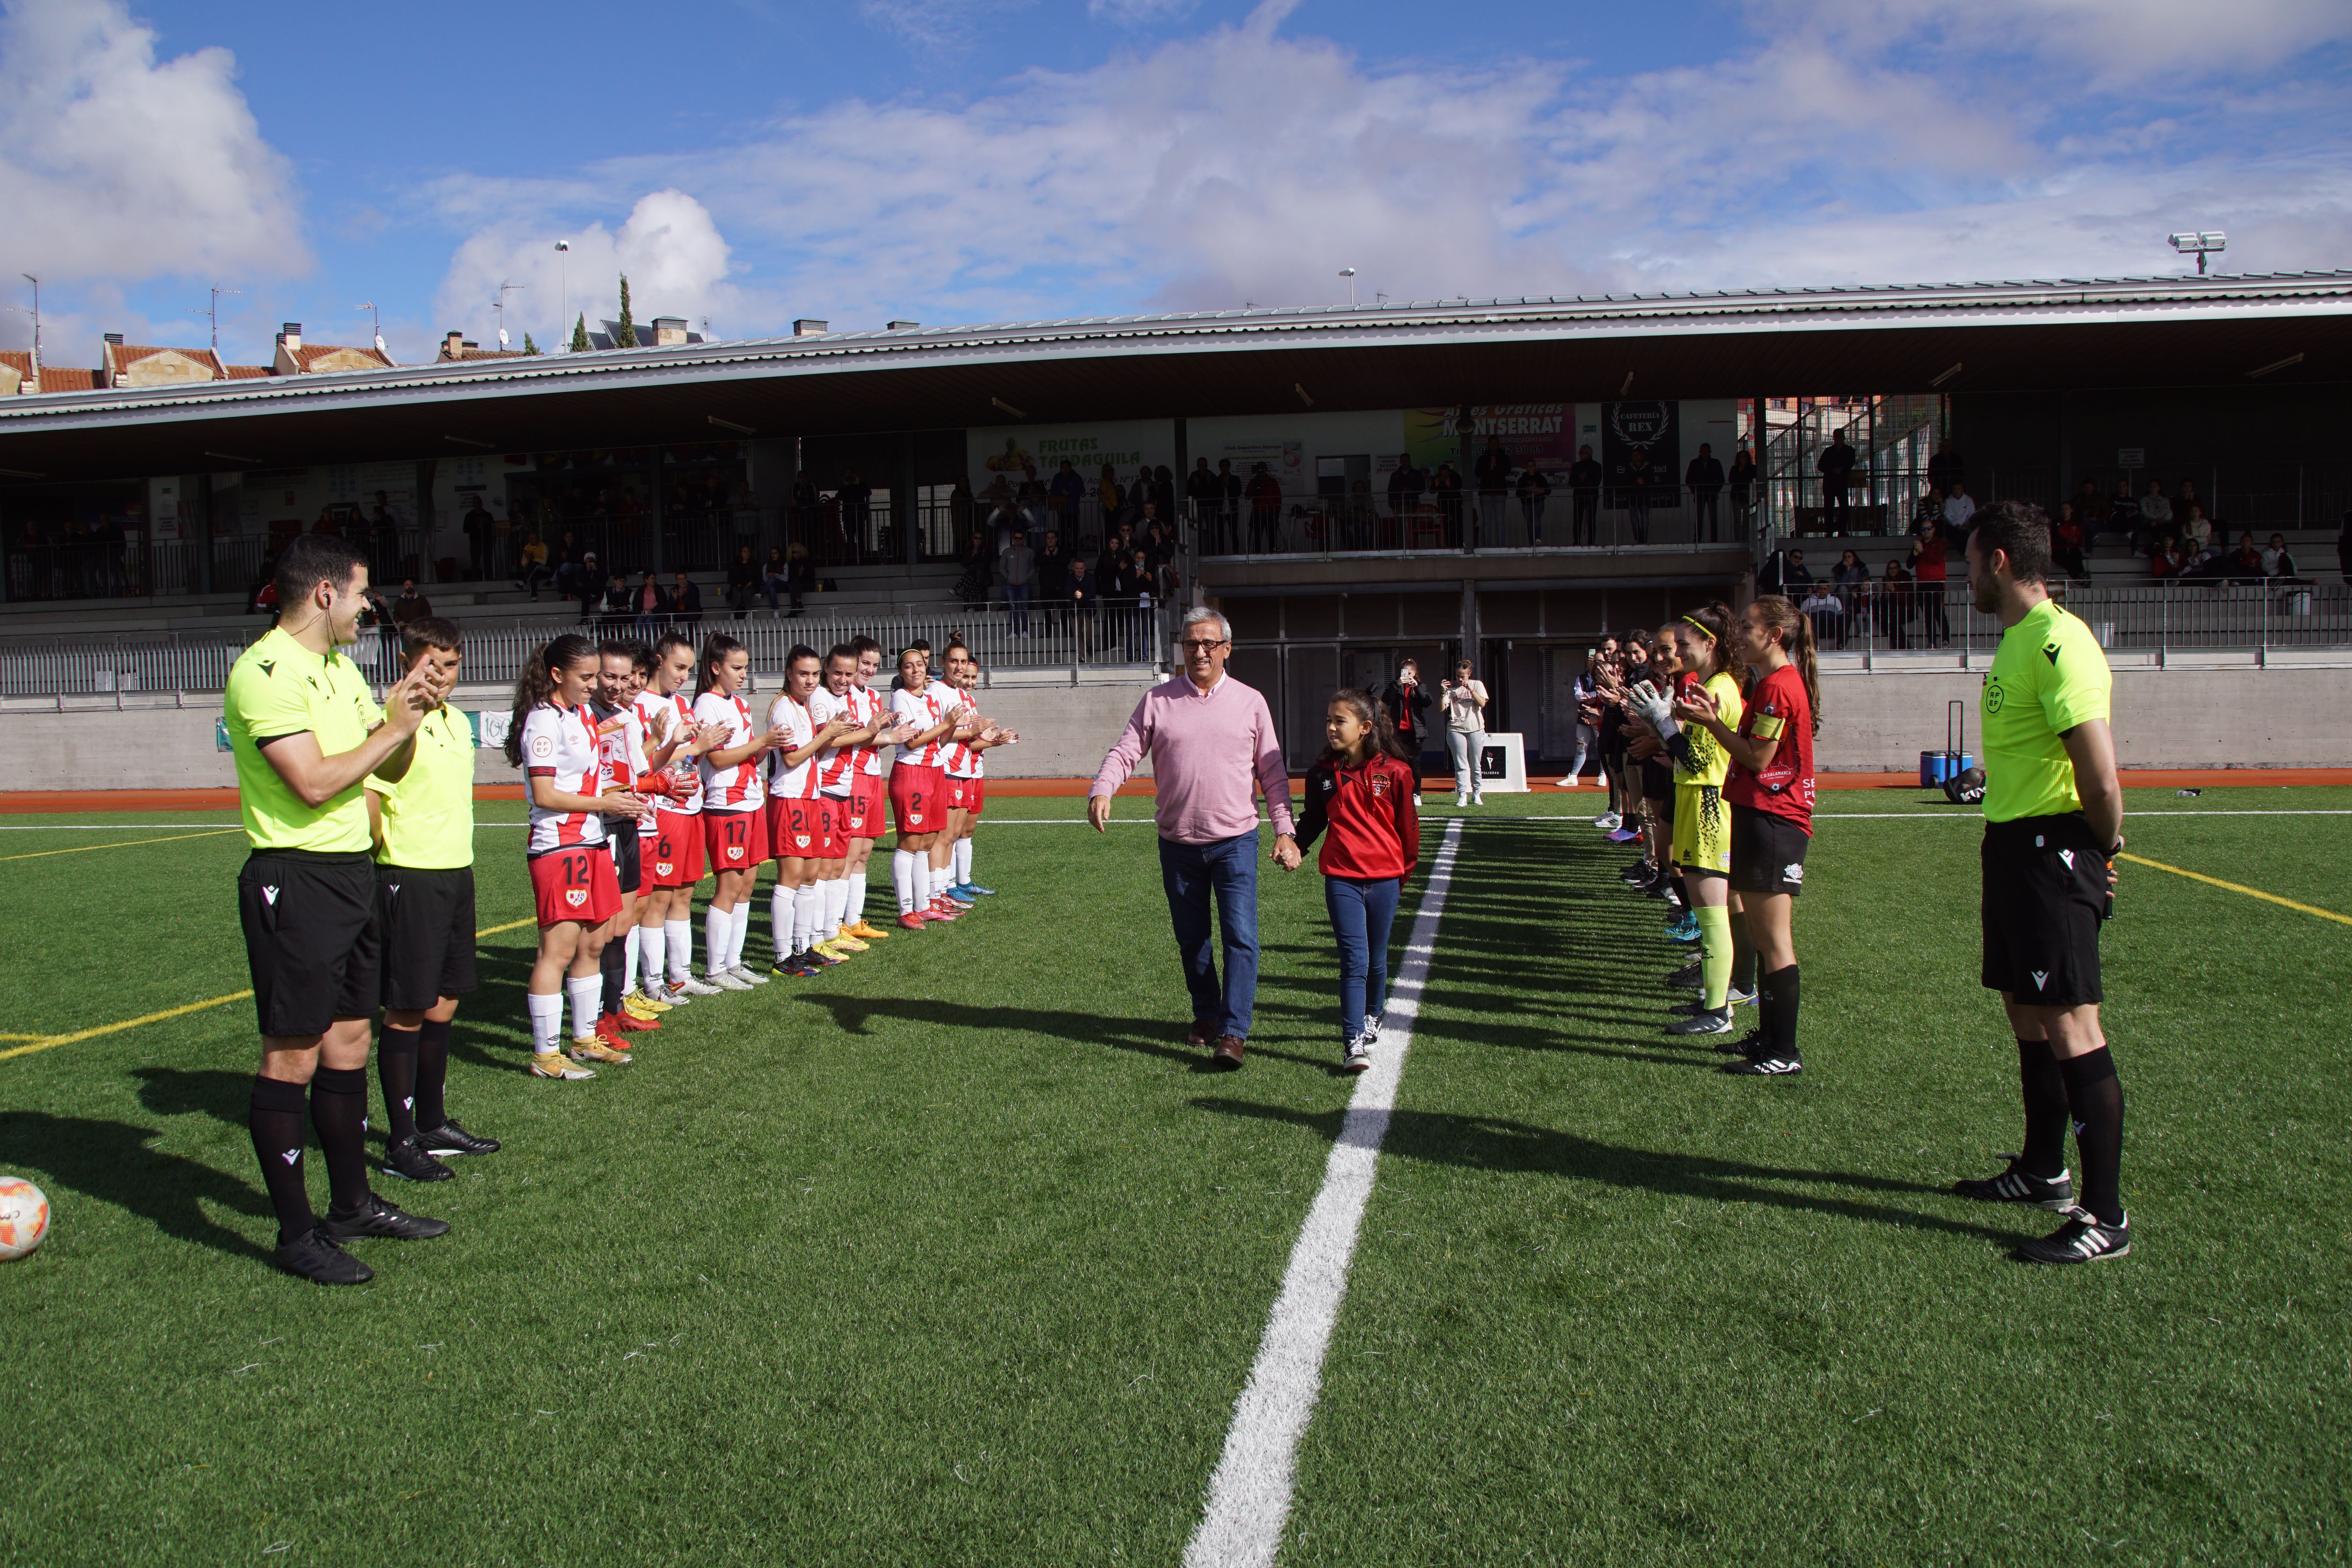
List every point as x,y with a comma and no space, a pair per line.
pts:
1364,789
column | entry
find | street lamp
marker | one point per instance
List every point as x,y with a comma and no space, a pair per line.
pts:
1349,274
563,249
2209,242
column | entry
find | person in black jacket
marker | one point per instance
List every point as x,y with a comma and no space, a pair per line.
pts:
686,606
1703,475
1584,483
1836,469
743,583
1052,570
1408,709
1743,492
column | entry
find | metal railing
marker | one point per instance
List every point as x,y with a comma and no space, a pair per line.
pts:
1613,517
1046,636
2161,618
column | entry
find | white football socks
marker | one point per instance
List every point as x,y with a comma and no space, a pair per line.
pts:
546,1021
717,930
587,993
780,923
854,914
904,865
960,859
941,878
835,914
628,957
678,934
735,937
806,906
652,943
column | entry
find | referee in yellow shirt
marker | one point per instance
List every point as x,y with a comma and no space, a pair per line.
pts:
423,825
2053,826
303,733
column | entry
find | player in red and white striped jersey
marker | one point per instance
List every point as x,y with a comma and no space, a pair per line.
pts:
552,737
800,818
867,819
919,788
621,754
734,832
676,861
963,673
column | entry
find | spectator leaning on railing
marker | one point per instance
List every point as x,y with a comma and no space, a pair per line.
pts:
1703,475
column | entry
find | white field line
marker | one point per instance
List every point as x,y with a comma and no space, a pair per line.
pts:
1249,1494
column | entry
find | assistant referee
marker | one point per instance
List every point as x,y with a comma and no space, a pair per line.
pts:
304,734
2054,825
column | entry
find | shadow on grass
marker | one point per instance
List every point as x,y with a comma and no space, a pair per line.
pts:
1146,1036
116,1164
1496,1144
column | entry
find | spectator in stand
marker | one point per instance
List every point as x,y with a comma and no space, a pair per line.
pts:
617,609
1018,569
1928,515
1534,491
1584,477
1827,612
1066,491
1085,601
1929,559
775,577
2277,565
531,562
2186,497
1265,493
1944,469
2165,558
1493,473
1743,491
2196,529
651,604
2067,539
686,605
2155,512
1639,479
743,583
1201,495
1408,709
1893,607
801,568
1229,504
1445,487
2244,564
411,606
2123,517
379,614
855,500
1156,542
1703,475
573,564
1958,508
1163,496
1850,579
1053,581
1109,497
588,579
478,527
1836,465
1405,486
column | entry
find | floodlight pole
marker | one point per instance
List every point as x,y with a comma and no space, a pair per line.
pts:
37,323
562,332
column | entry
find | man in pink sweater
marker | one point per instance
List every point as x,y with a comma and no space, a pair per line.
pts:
1210,739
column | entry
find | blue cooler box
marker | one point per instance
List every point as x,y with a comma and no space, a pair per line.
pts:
1934,767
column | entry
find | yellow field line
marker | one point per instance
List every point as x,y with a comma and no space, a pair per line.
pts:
2234,888
124,844
50,1042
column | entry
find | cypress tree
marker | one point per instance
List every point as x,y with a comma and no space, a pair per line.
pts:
626,338
579,345
528,347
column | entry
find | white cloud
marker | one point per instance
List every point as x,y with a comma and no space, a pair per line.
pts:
115,165
1242,164
675,259
935,24
2107,40
1138,13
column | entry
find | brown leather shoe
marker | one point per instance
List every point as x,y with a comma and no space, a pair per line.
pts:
1199,1035
1229,1054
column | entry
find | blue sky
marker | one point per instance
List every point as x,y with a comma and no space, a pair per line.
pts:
977,160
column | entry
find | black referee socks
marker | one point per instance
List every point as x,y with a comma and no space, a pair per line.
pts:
1776,1002
277,1122
432,1072
2097,1097
395,1068
338,1112
612,963
2044,1155
1743,958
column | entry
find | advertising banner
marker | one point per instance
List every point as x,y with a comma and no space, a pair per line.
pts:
1017,452
1651,427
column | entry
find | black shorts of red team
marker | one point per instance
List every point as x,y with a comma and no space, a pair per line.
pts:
1772,811
428,919
2045,892
1373,814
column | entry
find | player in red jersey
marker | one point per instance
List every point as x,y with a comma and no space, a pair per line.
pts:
847,795
971,767
1771,792
867,819
621,736
552,737
919,788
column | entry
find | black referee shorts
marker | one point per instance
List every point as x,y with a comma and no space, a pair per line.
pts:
311,938
2045,892
621,837
1657,779
427,918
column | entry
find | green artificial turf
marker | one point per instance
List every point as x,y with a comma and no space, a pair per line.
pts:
953,1256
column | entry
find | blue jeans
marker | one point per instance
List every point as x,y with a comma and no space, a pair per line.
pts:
1016,595
1361,913
1193,873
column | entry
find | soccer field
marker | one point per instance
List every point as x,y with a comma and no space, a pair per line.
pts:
954,1255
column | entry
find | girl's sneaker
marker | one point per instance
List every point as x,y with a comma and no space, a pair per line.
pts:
1358,1057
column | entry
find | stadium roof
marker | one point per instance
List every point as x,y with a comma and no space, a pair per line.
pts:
2044,335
